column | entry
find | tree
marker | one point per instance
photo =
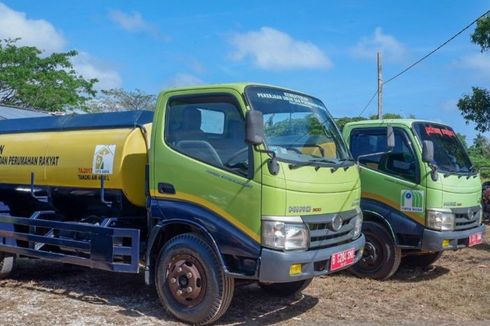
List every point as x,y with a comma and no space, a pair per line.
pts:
481,35
121,100
341,122
462,138
476,108
30,79
480,154
386,116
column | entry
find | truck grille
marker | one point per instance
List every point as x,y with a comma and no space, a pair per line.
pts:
321,233
466,218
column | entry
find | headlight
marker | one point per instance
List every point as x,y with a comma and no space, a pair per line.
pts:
284,236
441,220
480,217
358,225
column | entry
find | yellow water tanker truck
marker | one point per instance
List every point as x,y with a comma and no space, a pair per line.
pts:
222,183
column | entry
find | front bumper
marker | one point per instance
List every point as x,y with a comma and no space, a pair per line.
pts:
433,240
275,265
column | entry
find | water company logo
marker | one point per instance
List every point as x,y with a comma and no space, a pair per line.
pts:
103,161
412,201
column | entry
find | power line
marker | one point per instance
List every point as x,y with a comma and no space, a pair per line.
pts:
436,49
367,105
424,57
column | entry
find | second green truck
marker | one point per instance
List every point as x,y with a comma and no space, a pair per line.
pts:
420,196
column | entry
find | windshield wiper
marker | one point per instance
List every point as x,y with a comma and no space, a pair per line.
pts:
459,173
314,162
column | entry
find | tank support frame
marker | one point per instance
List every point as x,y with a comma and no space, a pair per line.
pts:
95,246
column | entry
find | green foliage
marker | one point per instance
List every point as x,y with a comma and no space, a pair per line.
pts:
481,35
386,116
298,126
118,99
50,83
341,122
476,108
480,154
462,138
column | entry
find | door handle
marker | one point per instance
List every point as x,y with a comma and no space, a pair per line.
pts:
166,188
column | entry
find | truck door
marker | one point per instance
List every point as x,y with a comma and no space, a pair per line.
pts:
391,179
202,164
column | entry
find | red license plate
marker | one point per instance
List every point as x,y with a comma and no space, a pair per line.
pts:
342,259
475,238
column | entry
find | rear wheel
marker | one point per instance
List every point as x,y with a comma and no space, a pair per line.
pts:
191,282
422,260
381,257
285,289
7,264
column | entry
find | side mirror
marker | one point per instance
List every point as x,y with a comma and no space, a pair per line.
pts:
428,151
390,138
254,128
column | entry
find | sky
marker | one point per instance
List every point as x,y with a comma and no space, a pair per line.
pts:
323,48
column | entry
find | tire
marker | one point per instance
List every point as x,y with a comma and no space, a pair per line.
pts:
211,291
285,289
7,264
421,260
381,257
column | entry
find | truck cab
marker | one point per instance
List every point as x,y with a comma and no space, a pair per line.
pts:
266,172
419,198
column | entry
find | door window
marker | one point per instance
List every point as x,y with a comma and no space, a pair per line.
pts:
400,162
210,129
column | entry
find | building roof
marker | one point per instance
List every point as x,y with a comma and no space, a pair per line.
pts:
14,113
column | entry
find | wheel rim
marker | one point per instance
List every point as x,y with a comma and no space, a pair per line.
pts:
372,256
186,280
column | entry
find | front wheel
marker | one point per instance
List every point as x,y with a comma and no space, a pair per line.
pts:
285,289
191,282
421,260
7,264
381,257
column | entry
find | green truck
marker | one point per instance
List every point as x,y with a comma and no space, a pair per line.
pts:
420,193
223,183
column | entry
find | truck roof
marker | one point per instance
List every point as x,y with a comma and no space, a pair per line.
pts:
239,87
404,122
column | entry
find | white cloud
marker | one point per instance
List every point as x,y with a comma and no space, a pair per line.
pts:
271,49
43,35
181,80
33,32
89,67
390,48
134,22
478,62
449,106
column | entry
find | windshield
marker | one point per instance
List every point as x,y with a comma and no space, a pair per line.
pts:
297,127
449,153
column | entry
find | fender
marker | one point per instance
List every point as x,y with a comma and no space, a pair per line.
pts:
407,232
161,227
367,212
238,253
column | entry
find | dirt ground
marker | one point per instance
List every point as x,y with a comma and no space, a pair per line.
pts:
455,291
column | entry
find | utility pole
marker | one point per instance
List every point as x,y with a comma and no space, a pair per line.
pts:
380,86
